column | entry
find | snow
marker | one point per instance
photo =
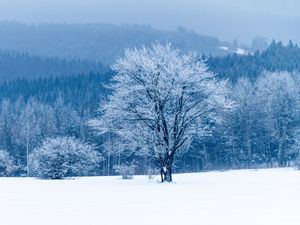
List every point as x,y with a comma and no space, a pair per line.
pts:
241,51
248,197
224,48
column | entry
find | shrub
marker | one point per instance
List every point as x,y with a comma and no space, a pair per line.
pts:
7,166
62,157
126,171
151,172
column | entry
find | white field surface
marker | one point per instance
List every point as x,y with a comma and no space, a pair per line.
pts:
244,197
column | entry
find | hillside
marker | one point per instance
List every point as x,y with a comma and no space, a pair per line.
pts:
248,197
98,42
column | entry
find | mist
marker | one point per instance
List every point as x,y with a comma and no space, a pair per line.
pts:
227,20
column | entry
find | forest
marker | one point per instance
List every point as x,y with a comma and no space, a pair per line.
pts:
261,131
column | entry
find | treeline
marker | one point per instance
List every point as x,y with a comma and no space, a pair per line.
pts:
83,91
15,66
277,57
32,111
262,131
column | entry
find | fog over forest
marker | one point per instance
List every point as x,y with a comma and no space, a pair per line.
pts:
227,20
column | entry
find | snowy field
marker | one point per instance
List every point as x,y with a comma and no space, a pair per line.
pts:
245,197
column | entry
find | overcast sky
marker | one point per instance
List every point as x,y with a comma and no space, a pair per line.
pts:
226,19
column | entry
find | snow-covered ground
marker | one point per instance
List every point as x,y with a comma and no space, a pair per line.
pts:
244,197
241,51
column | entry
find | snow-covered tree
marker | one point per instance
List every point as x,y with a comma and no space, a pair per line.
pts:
243,120
278,98
61,157
6,125
66,118
26,130
33,124
7,166
161,99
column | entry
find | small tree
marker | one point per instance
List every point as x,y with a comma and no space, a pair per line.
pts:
62,157
161,101
126,171
7,166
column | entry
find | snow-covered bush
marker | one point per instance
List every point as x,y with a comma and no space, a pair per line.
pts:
297,162
7,166
126,171
151,172
62,157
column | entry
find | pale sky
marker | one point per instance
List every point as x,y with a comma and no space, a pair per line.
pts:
226,19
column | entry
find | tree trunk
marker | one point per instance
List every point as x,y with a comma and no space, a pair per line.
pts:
169,175
166,174
162,175
280,155
27,150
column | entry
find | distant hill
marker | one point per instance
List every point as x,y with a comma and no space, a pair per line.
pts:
100,42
